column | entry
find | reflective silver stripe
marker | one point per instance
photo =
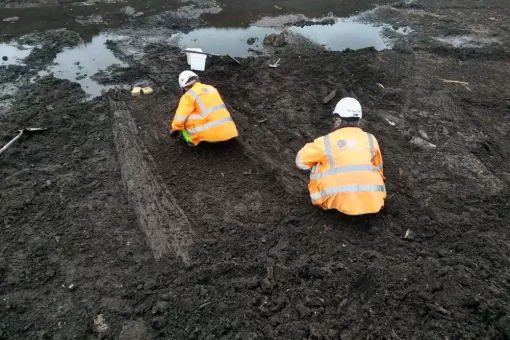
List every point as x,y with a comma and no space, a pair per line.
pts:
329,154
371,143
210,125
300,164
198,99
348,188
180,118
203,108
346,168
207,111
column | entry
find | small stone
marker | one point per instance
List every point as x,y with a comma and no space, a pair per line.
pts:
343,303
166,296
159,322
266,286
139,287
270,273
100,325
251,41
4,58
329,97
422,143
409,235
275,40
423,134
128,10
50,273
11,19
303,311
247,173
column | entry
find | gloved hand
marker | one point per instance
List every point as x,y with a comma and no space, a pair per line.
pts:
174,133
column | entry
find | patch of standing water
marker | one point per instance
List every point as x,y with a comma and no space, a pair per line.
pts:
79,63
343,34
13,54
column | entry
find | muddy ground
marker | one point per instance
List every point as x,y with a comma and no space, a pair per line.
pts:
107,215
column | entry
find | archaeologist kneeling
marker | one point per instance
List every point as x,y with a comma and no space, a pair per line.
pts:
346,165
201,115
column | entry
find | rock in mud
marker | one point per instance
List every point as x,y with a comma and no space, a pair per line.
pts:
329,97
4,58
251,41
135,330
89,20
130,12
422,143
410,235
100,326
275,40
11,19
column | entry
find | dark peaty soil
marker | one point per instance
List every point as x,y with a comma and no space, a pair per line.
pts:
261,262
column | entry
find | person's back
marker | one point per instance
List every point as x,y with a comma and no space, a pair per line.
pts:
346,171
202,115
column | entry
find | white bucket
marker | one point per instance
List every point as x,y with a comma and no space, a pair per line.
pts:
195,60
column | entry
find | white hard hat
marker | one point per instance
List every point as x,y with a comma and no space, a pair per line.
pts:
184,78
348,108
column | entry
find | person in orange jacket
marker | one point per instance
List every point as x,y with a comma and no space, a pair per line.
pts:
201,115
346,165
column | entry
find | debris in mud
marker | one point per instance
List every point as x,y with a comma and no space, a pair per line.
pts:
11,19
251,41
100,326
422,143
275,40
410,235
130,12
93,19
423,134
4,58
329,97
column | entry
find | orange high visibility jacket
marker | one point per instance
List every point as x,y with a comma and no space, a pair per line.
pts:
346,171
203,114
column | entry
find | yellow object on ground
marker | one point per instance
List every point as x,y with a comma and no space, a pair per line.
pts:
147,90
346,171
136,91
203,114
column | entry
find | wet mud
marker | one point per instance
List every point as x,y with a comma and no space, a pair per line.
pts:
112,229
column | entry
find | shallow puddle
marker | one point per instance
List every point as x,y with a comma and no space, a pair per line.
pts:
12,54
78,64
243,42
